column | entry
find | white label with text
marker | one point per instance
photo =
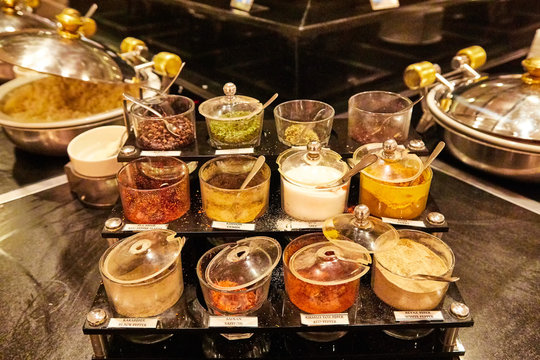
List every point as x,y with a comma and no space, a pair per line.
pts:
132,323
306,224
160,153
232,226
144,227
233,321
418,316
415,223
235,151
324,319
384,4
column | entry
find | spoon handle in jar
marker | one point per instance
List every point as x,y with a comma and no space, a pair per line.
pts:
254,170
363,163
435,278
434,154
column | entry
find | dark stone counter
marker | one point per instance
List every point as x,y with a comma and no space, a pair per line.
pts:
50,246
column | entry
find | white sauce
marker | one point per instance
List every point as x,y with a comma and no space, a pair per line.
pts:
310,204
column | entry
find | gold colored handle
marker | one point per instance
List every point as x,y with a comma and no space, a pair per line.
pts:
89,27
130,44
532,66
476,55
419,75
167,64
33,3
72,25
8,6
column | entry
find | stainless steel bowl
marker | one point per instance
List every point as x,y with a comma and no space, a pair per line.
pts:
52,142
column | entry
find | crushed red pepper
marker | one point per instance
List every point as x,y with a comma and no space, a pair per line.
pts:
234,302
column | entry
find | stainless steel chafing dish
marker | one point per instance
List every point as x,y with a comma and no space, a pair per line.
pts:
68,52
17,15
490,122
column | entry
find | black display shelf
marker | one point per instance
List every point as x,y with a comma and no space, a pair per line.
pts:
278,319
274,221
270,147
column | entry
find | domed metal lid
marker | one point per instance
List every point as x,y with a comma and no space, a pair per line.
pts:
506,106
14,17
66,52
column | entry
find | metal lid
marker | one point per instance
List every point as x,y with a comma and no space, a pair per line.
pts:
243,263
141,257
65,52
503,106
231,106
395,164
13,18
330,263
359,228
313,166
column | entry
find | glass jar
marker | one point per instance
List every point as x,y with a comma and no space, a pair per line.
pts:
154,190
394,186
175,130
233,121
301,121
310,189
235,277
222,199
142,274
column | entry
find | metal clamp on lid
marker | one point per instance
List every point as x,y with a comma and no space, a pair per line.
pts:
532,66
11,6
71,25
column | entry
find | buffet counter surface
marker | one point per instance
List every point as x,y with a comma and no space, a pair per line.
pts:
50,246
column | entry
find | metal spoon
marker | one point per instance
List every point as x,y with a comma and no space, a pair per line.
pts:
254,170
384,122
170,127
364,162
434,154
119,144
265,105
166,90
311,125
434,278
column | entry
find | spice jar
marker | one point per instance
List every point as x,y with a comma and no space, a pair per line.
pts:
233,121
222,199
392,186
414,252
154,190
322,276
235,277
308,182
142,274
174,130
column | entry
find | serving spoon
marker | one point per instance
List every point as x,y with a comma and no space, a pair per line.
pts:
254,170
364,162
434,154
170,127
265,105
434,278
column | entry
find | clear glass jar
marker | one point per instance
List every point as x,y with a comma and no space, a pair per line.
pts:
154,190
222,199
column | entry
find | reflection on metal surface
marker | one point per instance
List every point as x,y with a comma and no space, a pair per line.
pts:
33,189
495,190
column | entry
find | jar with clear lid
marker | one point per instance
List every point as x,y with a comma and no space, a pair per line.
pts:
233,121
394,186
310,189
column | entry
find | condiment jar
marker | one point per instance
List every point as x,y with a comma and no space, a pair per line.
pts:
233,121
322,276
174,130
235,277
414,252
387,185
222,199
308,182
142,274
154,190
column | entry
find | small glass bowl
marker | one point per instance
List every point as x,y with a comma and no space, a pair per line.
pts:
220,180
154,190
295,125
152,132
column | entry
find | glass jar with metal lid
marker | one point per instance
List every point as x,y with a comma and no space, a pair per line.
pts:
310,187
491,123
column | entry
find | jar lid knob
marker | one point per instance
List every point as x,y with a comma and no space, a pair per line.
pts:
389,148
229,89
361,216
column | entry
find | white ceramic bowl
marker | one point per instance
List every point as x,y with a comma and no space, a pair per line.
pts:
93,153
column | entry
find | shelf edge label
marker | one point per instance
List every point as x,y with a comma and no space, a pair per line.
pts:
133,323
415,223
324,319
233,321
384,4
233,226
418,315
306,224
144,227
235,151
160,153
